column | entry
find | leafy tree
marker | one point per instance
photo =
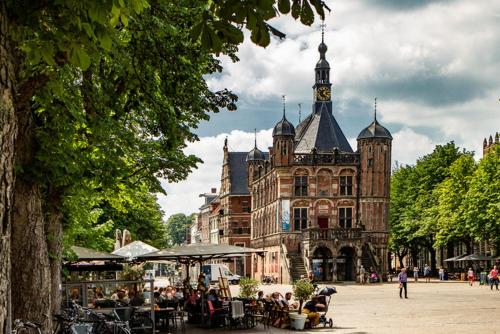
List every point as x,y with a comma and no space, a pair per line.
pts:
449,211
414,196
177,228
96,92
482,201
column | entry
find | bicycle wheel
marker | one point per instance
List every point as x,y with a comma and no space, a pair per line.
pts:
121,329
141,323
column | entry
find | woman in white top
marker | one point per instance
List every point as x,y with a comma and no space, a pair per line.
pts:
470,276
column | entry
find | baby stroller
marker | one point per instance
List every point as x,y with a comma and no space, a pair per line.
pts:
324,296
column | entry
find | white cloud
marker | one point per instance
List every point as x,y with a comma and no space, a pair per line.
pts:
184,196
434,68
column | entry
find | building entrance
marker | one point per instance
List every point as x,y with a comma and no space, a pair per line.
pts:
322,264
346,269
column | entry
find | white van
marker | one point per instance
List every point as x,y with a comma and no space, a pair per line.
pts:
213,272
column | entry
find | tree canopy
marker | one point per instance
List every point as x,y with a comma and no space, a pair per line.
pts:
445,198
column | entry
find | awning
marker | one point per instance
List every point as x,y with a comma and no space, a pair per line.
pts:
455,258
87,254
135,249
199,252
475,257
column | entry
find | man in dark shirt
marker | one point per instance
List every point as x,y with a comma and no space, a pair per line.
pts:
403,281
311,309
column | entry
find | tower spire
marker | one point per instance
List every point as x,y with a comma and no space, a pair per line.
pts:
375,111
300,110
283,99
323,30
255,137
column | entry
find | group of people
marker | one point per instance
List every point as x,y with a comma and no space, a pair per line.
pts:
371,276
403,279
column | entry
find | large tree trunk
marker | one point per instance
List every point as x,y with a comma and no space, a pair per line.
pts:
54,243
8,130
31,278
433,259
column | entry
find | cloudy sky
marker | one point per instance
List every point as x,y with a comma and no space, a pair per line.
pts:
434,66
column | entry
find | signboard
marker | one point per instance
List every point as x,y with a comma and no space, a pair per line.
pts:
285,215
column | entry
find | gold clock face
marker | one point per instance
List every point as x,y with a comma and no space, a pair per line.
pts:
323,94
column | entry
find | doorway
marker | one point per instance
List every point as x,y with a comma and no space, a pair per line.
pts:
322,264
323,222
346,268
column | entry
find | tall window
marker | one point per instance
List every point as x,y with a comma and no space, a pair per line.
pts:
300,185
345,217
346,185
299,218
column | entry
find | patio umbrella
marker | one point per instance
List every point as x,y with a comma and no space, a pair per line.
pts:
475,257
135,249
455,258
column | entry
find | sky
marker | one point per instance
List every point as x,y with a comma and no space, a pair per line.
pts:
434,66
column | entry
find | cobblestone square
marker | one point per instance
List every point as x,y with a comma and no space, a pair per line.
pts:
436,307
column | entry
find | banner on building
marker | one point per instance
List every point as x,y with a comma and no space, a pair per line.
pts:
285,215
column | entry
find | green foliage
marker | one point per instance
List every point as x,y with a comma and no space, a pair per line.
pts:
248,287
92,216
132,272
482,201
302,291
177,228
221,22
449,211
415,196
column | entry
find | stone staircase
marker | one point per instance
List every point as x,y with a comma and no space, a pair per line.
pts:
297,267
368,259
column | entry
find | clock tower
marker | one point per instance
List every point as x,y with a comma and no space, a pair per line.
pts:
322,86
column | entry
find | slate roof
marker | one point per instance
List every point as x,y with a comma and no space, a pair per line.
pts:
255,154
238,172
284,128
320,130
374,130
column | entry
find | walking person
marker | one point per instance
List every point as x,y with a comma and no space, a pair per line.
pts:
470,276
427,273
441,273
403,282
415,273
493,277
362,274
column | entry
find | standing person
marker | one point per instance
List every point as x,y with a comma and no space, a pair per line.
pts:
441,273
427,273
494,277
362,273
470,276
403,282
415,273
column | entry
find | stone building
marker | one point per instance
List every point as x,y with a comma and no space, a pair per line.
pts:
234,207
316,205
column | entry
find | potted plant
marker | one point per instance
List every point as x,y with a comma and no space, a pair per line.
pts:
248,288
302,291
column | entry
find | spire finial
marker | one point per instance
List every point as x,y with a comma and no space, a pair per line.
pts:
375,111
255,137
323,25
300,110
283,99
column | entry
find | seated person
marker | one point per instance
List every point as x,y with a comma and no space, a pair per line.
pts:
288,301
311,309
136,298
214,298
192,303
121,297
